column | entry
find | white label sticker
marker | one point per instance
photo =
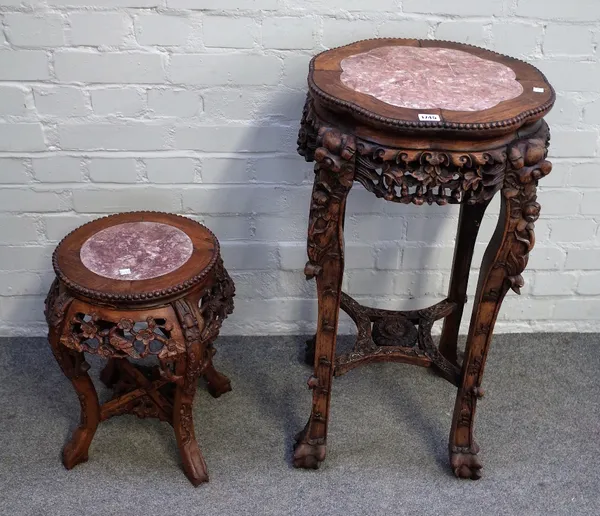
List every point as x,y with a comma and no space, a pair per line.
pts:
429,118
124,272
538,90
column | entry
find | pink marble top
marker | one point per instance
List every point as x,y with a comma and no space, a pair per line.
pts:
430,78
136,251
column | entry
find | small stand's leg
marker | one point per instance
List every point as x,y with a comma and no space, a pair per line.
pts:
75,368
215,308
110,373
468,227
189,369
216,382
194,465
334,175
504,261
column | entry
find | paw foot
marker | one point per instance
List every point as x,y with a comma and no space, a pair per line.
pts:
308,456
465,464
193,463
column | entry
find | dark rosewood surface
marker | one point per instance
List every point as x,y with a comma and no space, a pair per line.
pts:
466,157
175,318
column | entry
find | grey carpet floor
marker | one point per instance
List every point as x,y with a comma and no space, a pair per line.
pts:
538,428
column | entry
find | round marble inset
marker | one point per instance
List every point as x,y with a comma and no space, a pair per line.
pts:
136,251
430,78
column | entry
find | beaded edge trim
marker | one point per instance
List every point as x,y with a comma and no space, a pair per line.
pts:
399,123
143,296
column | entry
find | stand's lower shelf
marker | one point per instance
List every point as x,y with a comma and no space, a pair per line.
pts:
394,336
139,390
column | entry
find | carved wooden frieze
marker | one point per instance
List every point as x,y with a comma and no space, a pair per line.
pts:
124,338
408,176
423,176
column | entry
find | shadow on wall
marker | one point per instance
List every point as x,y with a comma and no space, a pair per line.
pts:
397,256
265,183
256,198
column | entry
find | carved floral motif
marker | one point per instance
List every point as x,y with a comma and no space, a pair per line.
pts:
441,177
199,332
404,175
217,304
528,164
389,335
108,339
56,305
307,136
334,167
333,153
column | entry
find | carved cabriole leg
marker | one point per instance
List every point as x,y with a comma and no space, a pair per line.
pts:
469,221
75,368
215,308
200,325
334,176
503,263
189,367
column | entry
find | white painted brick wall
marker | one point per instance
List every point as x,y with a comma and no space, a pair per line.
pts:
61,101
113,170
230,32
58,169
192,106
14,171
38,30
82,66
97,29
23,65
162,29
118,101
13,100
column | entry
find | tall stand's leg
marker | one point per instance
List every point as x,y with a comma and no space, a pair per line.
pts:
469,221
503,263
189,369
333,180
75,368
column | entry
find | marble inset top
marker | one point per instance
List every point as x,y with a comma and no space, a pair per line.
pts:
136,251
430,78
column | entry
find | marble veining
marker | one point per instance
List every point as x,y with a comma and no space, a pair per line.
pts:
136,251
430,78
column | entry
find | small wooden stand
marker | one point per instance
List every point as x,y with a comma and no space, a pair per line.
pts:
175,317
